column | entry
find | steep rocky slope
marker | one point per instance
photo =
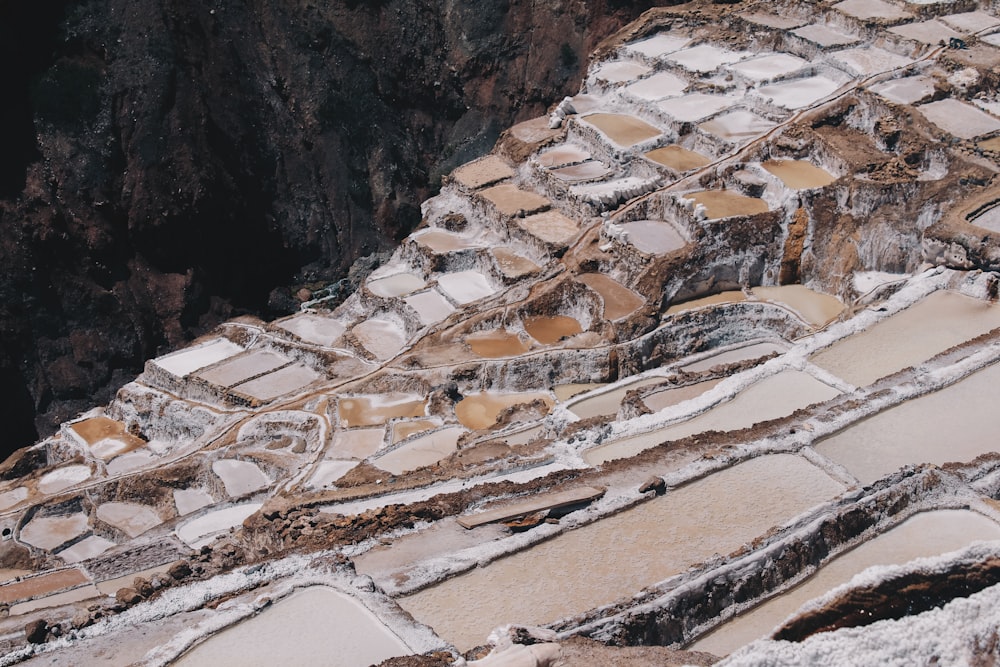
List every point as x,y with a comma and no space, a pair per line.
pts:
168,163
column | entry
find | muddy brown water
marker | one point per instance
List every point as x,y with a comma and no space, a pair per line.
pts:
549,329
377,410
622,554
622,129
677,158
403,430
440,241
619,301
512,264
479,411
668,397
799,174
496,343
733,296
724,203
814,307
609,402
42,584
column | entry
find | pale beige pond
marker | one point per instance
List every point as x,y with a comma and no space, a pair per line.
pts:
745,353
496,343
619,301
799,174
420,451
512,264
814,307
478,411
314,626
772,398
548,329
677,158
939,321
564,392
622,554
925,534
608,402
377,410
732,296
725,203
957,423
668,397
623,129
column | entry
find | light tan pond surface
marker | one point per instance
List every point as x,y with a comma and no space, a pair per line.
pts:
396,285
510,199
814,307
799,174
623,553
383,338
922,535
315,626
420,451
441,241
732,296
654,237
496,343
565,392
512,264
404,429
550,226
478,411
772,398
478,173
608,402
677,158
358,443
243,367
725,203
51,531
548,329
619,300
622,129
377,410
562,155
668,397
915,432
931,326
745,353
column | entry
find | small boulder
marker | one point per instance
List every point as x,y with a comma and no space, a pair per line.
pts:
128,596
37,632
179,570
654,483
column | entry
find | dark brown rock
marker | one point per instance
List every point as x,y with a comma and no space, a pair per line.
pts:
37,632
179,570
128,596
654,484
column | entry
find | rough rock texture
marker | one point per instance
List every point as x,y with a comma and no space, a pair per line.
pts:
167,163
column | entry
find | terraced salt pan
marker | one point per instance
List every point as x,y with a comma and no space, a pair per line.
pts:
129,462
57,600
465,286
586,171
512,264
564,392
914,431
814,307
479,411
193,358
383,338
926,32
621,554
659,44
907,90
511,200
550,226
132,519
868,60
313,627
799,174
768,20
402,430
825,36
745,353
48,532
549,329
608,402
677,395
63,478
377,410
695,106
704,58
396,285
993,40
204,529
763,68
959,119
677,158
441,241
799,93
969,22
653,237
191,500
622,129
42,584
243,367
314,328
737,126
328,472
872,9
720,299
658,86
431,307
725,203
988,219
496,343
620,71
280,382
419,452
359,443
562,155
479,173
87,548
925,534
772,398
931,326
10,498
240,477
619,301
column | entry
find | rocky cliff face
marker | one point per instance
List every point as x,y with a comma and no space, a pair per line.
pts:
168,163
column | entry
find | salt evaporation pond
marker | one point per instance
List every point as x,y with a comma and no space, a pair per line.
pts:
402,430
798,93
496,343
914,431
676,395
704,58
695,106
958,118
737,126
988,219
383,338
931,326
926,32
440,241
620,71
923,535
48,532
479,411
768,66
745,353
485,171
87,548
872,9
585,171
622,554
314,328
969,22
131,518
677,158
243,367
824,35
377,410
359,443
283,381
313,626
653,237
799,174
549,329
240,477
618,300
202,530
431,307
622,129
720,299
395,285
328,472
725,203
511,264
191,500
550,226
659,44
511,200
865,61
10,498
421,451
907,90
772,398
562,155
658,86
813,307
608,402
63,478
191,359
